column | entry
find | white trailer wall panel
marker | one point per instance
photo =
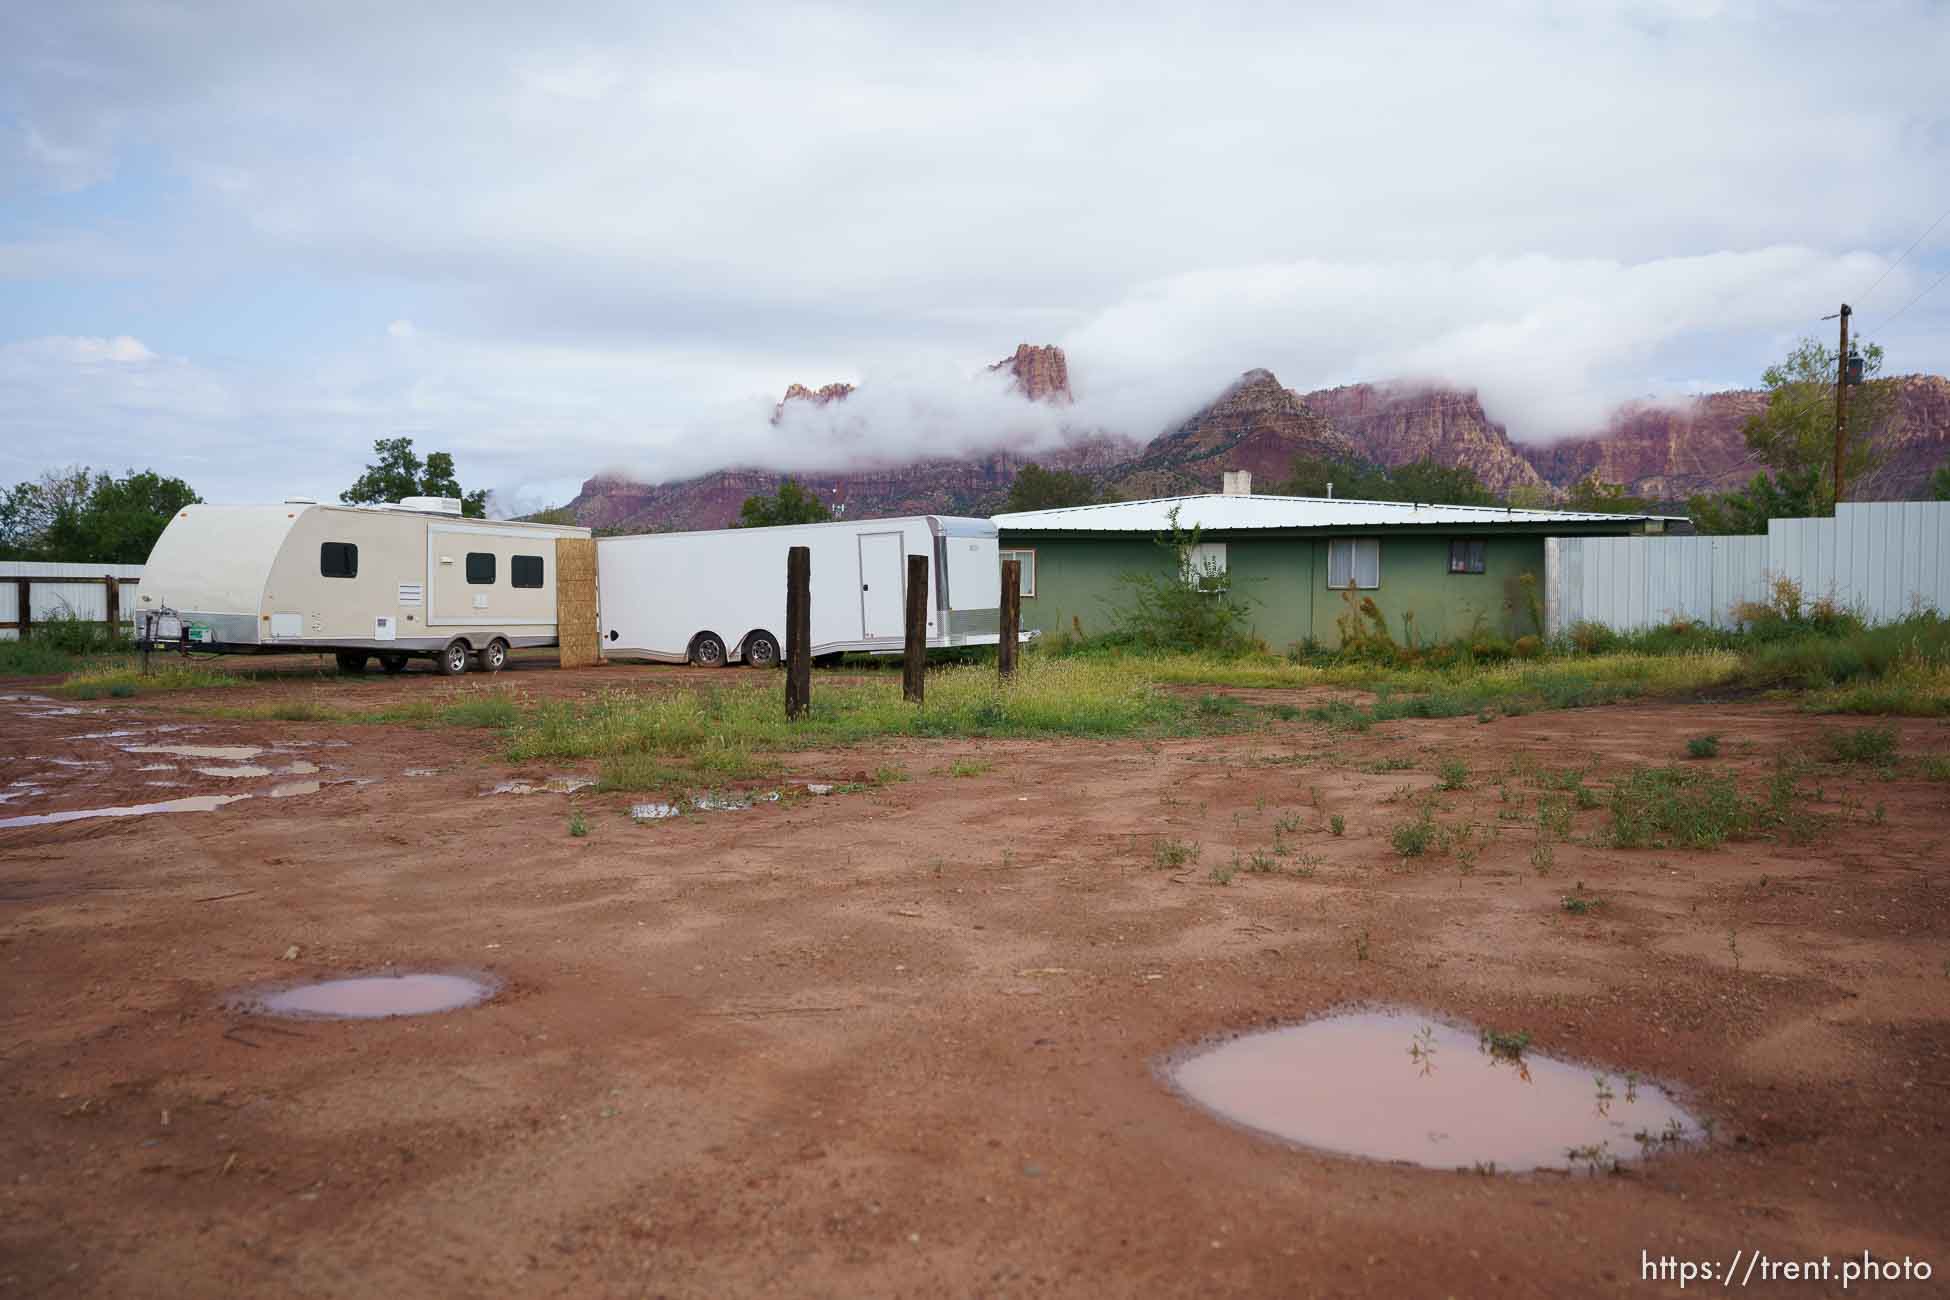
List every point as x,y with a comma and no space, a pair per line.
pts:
1881,559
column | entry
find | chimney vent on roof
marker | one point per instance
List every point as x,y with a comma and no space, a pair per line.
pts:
1238,483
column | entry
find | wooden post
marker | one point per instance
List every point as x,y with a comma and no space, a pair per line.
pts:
112,593
914,676
798,631
1005,649
1841,405
24,596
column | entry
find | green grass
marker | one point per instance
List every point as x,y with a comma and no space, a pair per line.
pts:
1045,698
1412,839
1875,745
1706,746
1657,807
123,679
970,767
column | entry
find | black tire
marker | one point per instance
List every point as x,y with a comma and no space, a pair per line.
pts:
707,650
452,661
495,657
762,650
393,664
352,663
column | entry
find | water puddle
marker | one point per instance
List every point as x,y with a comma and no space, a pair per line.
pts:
10,793
105,735
75,762
157,767
1396,1085
228,753
299,768
651,812
376,997
420,771
192,803
819,787
553,785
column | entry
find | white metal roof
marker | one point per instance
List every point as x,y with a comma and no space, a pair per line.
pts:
1216,512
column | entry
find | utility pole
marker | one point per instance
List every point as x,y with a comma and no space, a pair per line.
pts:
1841,403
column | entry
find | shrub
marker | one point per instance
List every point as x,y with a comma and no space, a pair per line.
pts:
1863,745
1707,746
1666,807
1527,647
1412,839
1592,638
1185,609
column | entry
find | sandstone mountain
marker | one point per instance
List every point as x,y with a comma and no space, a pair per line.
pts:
1665,452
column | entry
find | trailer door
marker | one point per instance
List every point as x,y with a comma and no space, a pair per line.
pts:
882,556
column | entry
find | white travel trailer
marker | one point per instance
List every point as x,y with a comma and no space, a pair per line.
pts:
719,597
389,581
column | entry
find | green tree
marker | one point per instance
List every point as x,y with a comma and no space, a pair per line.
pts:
791,504
1940,483
399,473
1795,494
1188,608
1422,480
1037,488
78,516
1796,431
1596,496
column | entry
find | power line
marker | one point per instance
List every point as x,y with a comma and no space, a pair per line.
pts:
1906,252
1918,298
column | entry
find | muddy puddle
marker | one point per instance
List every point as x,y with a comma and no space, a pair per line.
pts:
652,812
299,768
375,997
1399,1086
190,803
226,753
553,785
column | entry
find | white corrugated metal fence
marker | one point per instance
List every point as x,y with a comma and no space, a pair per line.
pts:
1881,559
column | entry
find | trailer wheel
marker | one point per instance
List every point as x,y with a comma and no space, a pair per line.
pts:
495,657
393,664
351,663
762,650
452,661
707,650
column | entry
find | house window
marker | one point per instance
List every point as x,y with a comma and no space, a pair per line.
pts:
480,568
1028,561
525,571
1205,566
1466,555
338,560
1354,562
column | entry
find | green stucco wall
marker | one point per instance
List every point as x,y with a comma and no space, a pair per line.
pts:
1286,578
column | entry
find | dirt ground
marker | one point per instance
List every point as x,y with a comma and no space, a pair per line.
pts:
908,1040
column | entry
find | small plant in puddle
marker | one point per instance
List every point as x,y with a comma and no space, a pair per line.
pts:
1605,1095
1595,1157
1412,839
1504,1047
1337,825
1361,946
1172,854
1706,746
1452,775
1862,745
578,826
1421,1050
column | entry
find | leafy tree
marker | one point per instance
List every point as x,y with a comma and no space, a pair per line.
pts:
792,504
77,516
1188,608
1595,496
1940,483
399,473
1797,430
1422,480
1037,488
1795,494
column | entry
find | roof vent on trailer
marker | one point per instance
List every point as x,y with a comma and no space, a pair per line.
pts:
432,505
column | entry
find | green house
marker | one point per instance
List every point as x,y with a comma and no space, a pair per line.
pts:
1435,572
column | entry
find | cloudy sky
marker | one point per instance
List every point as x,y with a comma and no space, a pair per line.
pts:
238,242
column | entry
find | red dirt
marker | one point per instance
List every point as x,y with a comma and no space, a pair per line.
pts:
906,1041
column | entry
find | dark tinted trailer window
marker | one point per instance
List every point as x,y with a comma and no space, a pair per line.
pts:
338,560
480,568
525,570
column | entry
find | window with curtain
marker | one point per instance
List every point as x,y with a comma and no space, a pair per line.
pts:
1354,562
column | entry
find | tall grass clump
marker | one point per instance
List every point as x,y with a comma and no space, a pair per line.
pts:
125,678
1660,807
1046,697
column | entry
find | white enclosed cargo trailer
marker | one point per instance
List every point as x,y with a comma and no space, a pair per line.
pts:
719,597
390,582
